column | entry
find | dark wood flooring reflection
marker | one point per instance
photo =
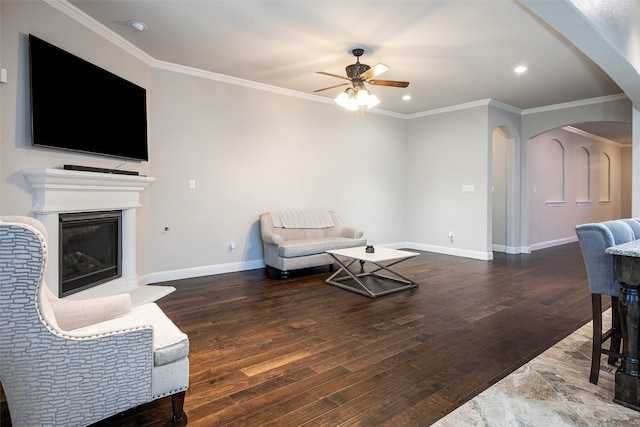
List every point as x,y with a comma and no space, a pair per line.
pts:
266,351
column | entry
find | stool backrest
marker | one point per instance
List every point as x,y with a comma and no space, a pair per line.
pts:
594,239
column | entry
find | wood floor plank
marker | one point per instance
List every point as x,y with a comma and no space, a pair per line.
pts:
265,351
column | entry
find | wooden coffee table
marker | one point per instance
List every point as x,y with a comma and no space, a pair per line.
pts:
371,283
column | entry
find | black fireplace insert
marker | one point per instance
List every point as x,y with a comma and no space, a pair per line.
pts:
90,250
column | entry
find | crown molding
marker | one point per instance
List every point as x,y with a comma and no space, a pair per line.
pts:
573,104
594,137
79,16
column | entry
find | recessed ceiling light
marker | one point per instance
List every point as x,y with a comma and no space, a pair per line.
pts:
137,25
406,97
520,69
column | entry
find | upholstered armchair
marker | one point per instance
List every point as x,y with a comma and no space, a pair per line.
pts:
78,362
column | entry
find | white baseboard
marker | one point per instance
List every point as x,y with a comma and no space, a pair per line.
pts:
552,243
207,270
511,250
465,253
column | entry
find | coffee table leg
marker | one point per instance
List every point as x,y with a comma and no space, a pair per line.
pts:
386,268
365,291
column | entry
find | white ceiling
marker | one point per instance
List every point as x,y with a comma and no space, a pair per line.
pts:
451,52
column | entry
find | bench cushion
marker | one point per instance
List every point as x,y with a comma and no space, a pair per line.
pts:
316,245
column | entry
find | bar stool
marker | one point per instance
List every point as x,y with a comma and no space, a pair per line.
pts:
594,238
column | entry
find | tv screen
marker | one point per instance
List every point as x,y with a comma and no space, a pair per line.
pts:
78,106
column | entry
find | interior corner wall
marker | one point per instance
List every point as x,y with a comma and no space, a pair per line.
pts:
447,162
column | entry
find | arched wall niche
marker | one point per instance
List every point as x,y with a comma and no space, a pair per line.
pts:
554,184
567,171
605,177
583,176
534,123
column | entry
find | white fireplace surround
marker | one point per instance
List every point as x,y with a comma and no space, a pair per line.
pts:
57,191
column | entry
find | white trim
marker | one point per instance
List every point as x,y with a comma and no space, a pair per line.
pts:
552,243
572,104
465,253
594,137
511,250
449,109
210,270
207,270
79,16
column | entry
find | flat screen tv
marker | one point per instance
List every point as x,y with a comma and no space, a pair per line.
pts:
78,106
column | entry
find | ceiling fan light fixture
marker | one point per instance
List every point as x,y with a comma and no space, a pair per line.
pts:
363,97
372,101
342,99
352,104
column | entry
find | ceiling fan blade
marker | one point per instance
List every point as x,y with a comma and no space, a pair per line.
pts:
332,75
388,83
330,87
375,71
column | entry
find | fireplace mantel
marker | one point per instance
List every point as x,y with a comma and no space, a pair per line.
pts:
60,190
57,191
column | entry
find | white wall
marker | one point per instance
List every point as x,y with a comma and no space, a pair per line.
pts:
558,162
444,153
251,151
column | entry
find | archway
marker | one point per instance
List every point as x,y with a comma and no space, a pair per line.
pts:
505,185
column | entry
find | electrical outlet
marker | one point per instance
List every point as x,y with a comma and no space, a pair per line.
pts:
232,247
249,246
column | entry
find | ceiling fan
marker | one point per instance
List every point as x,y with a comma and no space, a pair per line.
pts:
359,74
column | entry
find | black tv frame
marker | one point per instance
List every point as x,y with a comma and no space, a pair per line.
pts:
78,106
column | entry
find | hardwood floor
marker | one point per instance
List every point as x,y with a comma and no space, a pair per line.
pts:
266,351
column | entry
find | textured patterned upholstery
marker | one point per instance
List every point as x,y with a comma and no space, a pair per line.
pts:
56,377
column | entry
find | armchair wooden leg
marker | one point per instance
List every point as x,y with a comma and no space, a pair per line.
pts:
177,403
